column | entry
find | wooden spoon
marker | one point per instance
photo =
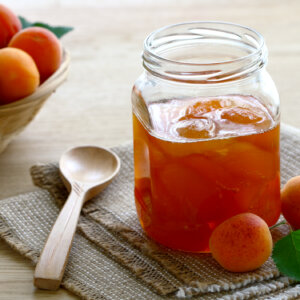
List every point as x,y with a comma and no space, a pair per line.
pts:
86,171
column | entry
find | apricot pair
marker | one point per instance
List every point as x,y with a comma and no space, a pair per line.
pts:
243,242
27,57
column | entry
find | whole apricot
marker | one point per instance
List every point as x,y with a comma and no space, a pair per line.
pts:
43,46
242,243
9,25
19,76
290,202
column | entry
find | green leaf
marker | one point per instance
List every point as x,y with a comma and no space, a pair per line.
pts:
59,31
286,255
24,22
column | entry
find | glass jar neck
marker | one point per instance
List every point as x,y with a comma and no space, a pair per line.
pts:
204,52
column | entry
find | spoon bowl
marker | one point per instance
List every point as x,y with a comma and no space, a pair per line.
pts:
86,171
92,167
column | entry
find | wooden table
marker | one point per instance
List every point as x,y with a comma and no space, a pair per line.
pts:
93,106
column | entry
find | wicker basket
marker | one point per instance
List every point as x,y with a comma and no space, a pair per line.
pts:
15,116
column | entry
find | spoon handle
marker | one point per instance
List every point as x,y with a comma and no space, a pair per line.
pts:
53,259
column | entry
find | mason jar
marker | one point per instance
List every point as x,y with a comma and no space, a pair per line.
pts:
206,132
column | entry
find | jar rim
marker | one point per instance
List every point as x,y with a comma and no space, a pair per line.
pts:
194,52
154,33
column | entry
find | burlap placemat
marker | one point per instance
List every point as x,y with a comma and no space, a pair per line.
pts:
111,258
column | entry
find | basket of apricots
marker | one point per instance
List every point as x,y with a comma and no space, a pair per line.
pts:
32,65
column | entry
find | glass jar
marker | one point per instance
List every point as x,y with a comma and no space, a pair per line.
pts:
206,132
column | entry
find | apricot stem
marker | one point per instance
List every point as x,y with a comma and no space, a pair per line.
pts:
278,224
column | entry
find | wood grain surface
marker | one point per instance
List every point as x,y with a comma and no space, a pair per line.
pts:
93,106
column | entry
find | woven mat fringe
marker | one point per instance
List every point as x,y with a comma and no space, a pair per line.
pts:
11,239
6,233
